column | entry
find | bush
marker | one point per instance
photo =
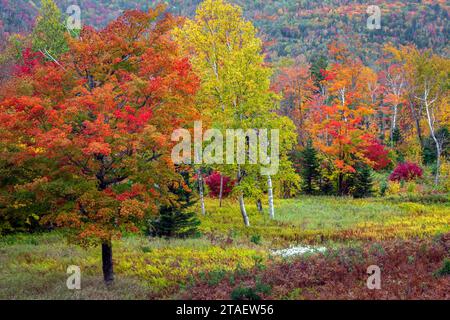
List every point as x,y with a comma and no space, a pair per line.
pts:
445,270
213,183
393,188
251,293
256,239
406,171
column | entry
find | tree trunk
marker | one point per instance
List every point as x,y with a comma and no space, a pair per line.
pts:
394,125
340,184
243,211
221,191
259,205
436,141
416,117
108,272
241,200
200,191
271,206
438,166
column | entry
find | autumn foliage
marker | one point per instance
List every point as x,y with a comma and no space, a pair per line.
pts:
406,172
409,268
213,182
104,114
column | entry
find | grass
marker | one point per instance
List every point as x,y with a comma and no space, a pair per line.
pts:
321,219
34,266
333,213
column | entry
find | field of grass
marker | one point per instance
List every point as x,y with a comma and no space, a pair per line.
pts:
34,266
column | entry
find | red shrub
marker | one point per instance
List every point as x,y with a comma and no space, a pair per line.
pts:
406,171
213,182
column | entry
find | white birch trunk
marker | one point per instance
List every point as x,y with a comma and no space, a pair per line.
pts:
200,191
242,203
243,211
394,124
221,191
433,135
270,190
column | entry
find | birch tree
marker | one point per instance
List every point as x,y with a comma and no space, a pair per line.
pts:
432,80
235,90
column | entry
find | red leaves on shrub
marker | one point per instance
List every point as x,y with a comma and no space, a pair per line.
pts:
406,172
213,182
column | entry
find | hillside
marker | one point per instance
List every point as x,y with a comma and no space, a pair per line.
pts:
289,27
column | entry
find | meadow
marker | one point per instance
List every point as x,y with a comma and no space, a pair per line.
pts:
409,238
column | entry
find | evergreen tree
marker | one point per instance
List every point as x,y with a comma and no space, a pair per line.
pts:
396,136
310,169
362,182
175,219
317,65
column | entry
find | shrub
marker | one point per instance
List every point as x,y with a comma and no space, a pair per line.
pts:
213,183
256,239
406,172
445,270
393,188
245,293
251,293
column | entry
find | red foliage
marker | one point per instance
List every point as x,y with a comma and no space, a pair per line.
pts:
104,114
406,172
378,154
213,182
30,60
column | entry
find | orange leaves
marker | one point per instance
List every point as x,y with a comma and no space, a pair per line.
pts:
343,167
97,148
132,208
341,124
104,117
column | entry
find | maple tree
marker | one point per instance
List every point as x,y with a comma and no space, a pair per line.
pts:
104,115
340,127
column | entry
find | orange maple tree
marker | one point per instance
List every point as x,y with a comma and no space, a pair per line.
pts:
103,114
340,125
